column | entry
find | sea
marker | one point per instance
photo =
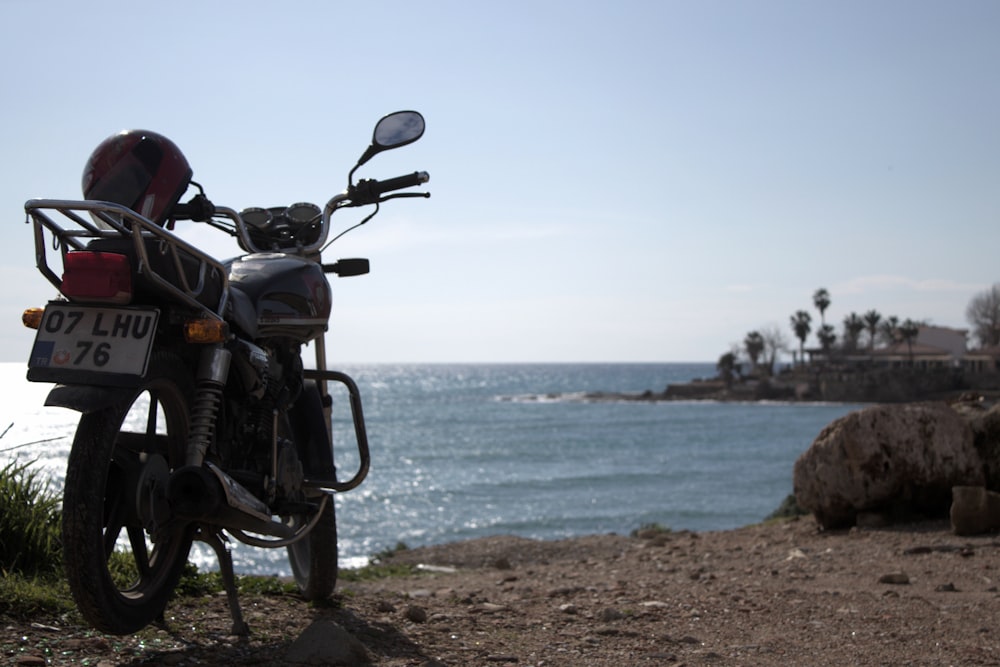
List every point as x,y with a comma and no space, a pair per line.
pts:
460,451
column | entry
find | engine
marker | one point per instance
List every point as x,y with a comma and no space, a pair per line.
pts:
254,435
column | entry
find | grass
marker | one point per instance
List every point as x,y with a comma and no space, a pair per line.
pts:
25,598
789,508
650,530
30,518
32,582
375,571
196,584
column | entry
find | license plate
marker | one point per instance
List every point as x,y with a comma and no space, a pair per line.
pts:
94,339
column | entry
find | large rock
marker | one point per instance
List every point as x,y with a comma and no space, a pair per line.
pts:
974,510
326,643
985,423
887,457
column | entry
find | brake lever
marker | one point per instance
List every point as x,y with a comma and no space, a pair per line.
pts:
401,195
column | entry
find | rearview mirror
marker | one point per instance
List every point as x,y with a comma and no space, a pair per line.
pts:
398,129
395,130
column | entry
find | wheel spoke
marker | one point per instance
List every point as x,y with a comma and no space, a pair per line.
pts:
114,521
140,554
154,406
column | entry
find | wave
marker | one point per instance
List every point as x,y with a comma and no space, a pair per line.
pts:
602,397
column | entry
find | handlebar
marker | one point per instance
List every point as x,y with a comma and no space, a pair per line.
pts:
199,209
369,191
363,193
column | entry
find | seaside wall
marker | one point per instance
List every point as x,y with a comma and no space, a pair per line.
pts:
890,386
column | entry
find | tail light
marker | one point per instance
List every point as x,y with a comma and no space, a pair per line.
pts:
105,277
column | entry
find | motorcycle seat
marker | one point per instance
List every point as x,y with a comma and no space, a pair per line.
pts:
209,293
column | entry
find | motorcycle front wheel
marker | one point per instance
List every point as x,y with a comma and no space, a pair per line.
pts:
314,557
123,557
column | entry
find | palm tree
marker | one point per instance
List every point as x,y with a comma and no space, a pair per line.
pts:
801,327
826,337
821,299
853,326
726,366
754,346
871,319
890,330
908,331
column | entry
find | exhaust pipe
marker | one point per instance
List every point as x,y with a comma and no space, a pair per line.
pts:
208,495
194,493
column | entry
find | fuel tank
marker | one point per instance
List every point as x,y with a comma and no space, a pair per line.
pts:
290,294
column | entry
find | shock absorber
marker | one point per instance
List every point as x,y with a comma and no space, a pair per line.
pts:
212,373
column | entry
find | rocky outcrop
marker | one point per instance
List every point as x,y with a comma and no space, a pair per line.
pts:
985,424
885,458
974,510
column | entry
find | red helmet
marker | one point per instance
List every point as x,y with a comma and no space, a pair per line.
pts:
142,170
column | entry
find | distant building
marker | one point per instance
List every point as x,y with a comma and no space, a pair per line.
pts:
934,347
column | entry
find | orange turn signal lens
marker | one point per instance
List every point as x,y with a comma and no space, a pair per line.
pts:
32,317
205,331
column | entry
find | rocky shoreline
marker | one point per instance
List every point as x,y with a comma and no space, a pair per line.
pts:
782,592
772,594
882,386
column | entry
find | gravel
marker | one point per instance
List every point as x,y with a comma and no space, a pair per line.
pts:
772,594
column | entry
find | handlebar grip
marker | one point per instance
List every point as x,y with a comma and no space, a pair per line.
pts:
199,209
400,182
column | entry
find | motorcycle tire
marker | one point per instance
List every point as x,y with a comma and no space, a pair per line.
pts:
120,578
314,558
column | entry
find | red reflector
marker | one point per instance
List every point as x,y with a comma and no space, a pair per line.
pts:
97,276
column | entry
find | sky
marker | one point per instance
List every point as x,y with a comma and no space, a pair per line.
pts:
611,181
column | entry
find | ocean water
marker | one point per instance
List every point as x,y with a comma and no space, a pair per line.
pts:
469,450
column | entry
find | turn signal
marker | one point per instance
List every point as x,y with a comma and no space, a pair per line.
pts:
206,331
32,317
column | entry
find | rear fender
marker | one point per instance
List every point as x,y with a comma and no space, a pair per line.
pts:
87,399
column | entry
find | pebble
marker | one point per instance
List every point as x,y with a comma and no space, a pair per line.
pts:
416,614
502,564
894,578
30,661
609,614
654,604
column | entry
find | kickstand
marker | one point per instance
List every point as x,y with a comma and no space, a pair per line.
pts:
217,541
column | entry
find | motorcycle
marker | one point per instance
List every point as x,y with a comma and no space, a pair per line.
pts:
200,419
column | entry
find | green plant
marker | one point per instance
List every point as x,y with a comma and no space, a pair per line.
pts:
378,571
788,509
196,584
25,598
649,530
388,553
30,519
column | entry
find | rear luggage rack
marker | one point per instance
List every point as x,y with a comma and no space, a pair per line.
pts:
192,277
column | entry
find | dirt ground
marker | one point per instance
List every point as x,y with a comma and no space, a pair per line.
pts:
775,594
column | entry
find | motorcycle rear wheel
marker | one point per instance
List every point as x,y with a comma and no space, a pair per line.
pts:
120,577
